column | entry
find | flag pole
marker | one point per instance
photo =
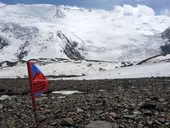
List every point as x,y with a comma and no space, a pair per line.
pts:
32,94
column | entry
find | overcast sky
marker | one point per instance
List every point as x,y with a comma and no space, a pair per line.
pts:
157,5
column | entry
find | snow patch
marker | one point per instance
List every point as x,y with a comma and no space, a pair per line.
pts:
66,92
5,97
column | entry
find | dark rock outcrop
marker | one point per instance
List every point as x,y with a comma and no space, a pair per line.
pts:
3,42
23,51
166,34
70,49
19,32
165,49
59,13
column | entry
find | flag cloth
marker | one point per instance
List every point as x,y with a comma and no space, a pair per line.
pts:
38,81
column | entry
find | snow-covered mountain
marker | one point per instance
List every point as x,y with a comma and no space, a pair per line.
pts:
62,33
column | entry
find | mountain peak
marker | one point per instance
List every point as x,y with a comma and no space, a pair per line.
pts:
126,34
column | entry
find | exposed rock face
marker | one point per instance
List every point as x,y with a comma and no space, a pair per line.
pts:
59,13
15,31
70,49
165,49
19,32
28,35
166,33
23,50
3,42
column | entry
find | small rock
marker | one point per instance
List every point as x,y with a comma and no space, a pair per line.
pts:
157,122
47,111
149,105
162,100
149,122
67,122
148,113
155,98
161,120
168,116
98,112
42,118
121,126
1,106
79,110
140,125
115,125
159,106
54,123
102,115
109,119
131,107
129,116
99,124
166,123
20,101
113,114
136,112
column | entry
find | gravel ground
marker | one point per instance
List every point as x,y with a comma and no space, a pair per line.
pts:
125,103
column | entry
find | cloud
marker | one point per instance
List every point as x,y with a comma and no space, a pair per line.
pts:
166,12
139,10
157,5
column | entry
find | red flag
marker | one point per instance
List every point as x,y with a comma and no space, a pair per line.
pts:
38,82
38,85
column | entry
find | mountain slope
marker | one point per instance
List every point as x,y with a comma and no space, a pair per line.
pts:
79,41
124,34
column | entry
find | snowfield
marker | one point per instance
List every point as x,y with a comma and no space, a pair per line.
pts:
92,41
158,67
138,71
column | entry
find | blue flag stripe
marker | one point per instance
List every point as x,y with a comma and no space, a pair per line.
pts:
38,94
35,70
